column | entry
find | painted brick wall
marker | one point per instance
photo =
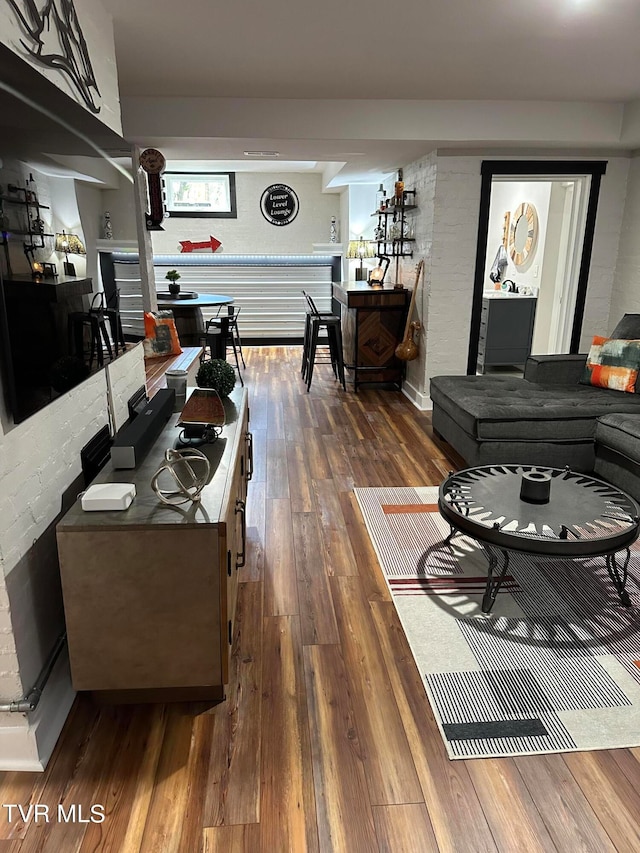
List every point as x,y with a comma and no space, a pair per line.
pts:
421,177
250,233
447,230
39,459
605,251
625,297
453,263
124,377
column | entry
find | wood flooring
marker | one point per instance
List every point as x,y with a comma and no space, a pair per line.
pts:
326,740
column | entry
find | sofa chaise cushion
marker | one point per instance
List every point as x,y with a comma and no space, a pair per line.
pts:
621,433
498,408
618,452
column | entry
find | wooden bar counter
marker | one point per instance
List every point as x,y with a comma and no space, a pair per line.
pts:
149,592
372,327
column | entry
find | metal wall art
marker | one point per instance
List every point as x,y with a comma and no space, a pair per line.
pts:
55,40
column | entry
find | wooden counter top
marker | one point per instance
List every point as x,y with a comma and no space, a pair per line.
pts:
147,509
49,289
358,294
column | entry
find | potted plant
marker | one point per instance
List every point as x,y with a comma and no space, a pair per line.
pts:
174,287
217,374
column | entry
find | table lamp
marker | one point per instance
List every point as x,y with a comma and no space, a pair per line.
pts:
360,249
377,274
69,244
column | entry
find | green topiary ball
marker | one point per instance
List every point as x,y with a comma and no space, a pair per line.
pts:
217,374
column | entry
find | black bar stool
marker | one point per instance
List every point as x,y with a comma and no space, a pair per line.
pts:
315,322
221,332
95,321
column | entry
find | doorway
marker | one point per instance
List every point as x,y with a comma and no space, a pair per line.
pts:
535,236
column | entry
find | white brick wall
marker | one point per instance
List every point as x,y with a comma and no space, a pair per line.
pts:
606,245
421,176
446,228
250,233
625,297
124,377
39,459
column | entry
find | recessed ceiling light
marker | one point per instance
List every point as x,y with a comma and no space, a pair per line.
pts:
261,153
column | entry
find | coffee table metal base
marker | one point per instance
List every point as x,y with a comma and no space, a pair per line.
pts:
619,576
580,517
497,569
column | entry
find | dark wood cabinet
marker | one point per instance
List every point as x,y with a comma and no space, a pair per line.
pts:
372,327
150,592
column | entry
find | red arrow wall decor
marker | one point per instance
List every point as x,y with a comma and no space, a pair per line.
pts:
211,243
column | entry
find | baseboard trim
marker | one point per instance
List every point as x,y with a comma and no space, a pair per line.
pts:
419,399
28,744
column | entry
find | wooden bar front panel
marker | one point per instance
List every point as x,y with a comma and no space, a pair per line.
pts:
372,327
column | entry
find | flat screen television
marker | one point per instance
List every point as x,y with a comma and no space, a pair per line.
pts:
34,316
39,363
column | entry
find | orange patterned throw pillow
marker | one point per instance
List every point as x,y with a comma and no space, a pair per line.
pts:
161,337
613,364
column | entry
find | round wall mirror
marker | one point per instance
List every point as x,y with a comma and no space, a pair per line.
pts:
523,233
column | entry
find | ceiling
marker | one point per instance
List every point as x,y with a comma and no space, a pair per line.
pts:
369,50
356,88
476,49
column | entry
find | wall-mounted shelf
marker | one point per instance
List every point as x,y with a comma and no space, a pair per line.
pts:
11,231
391,233
29,201
11,200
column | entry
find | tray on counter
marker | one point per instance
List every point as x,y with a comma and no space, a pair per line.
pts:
184,294
203,408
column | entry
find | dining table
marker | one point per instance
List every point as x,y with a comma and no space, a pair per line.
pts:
187,312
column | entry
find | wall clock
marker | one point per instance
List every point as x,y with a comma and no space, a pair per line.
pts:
523,233
153,163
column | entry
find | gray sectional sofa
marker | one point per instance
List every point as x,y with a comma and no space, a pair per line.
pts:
545,418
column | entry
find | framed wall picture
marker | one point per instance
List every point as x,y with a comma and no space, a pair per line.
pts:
201,194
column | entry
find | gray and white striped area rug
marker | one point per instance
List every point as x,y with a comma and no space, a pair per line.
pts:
554,667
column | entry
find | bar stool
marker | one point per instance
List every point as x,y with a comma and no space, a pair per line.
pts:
312,311
315,321
219,333
95,320
109,305
234,335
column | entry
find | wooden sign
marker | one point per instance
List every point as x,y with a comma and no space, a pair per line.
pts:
279,204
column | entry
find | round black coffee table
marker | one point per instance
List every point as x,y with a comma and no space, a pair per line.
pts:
583,517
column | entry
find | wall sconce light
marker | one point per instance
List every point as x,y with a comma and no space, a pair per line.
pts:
69,244
360,249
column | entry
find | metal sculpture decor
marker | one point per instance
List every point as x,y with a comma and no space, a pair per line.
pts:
56,41
180,466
